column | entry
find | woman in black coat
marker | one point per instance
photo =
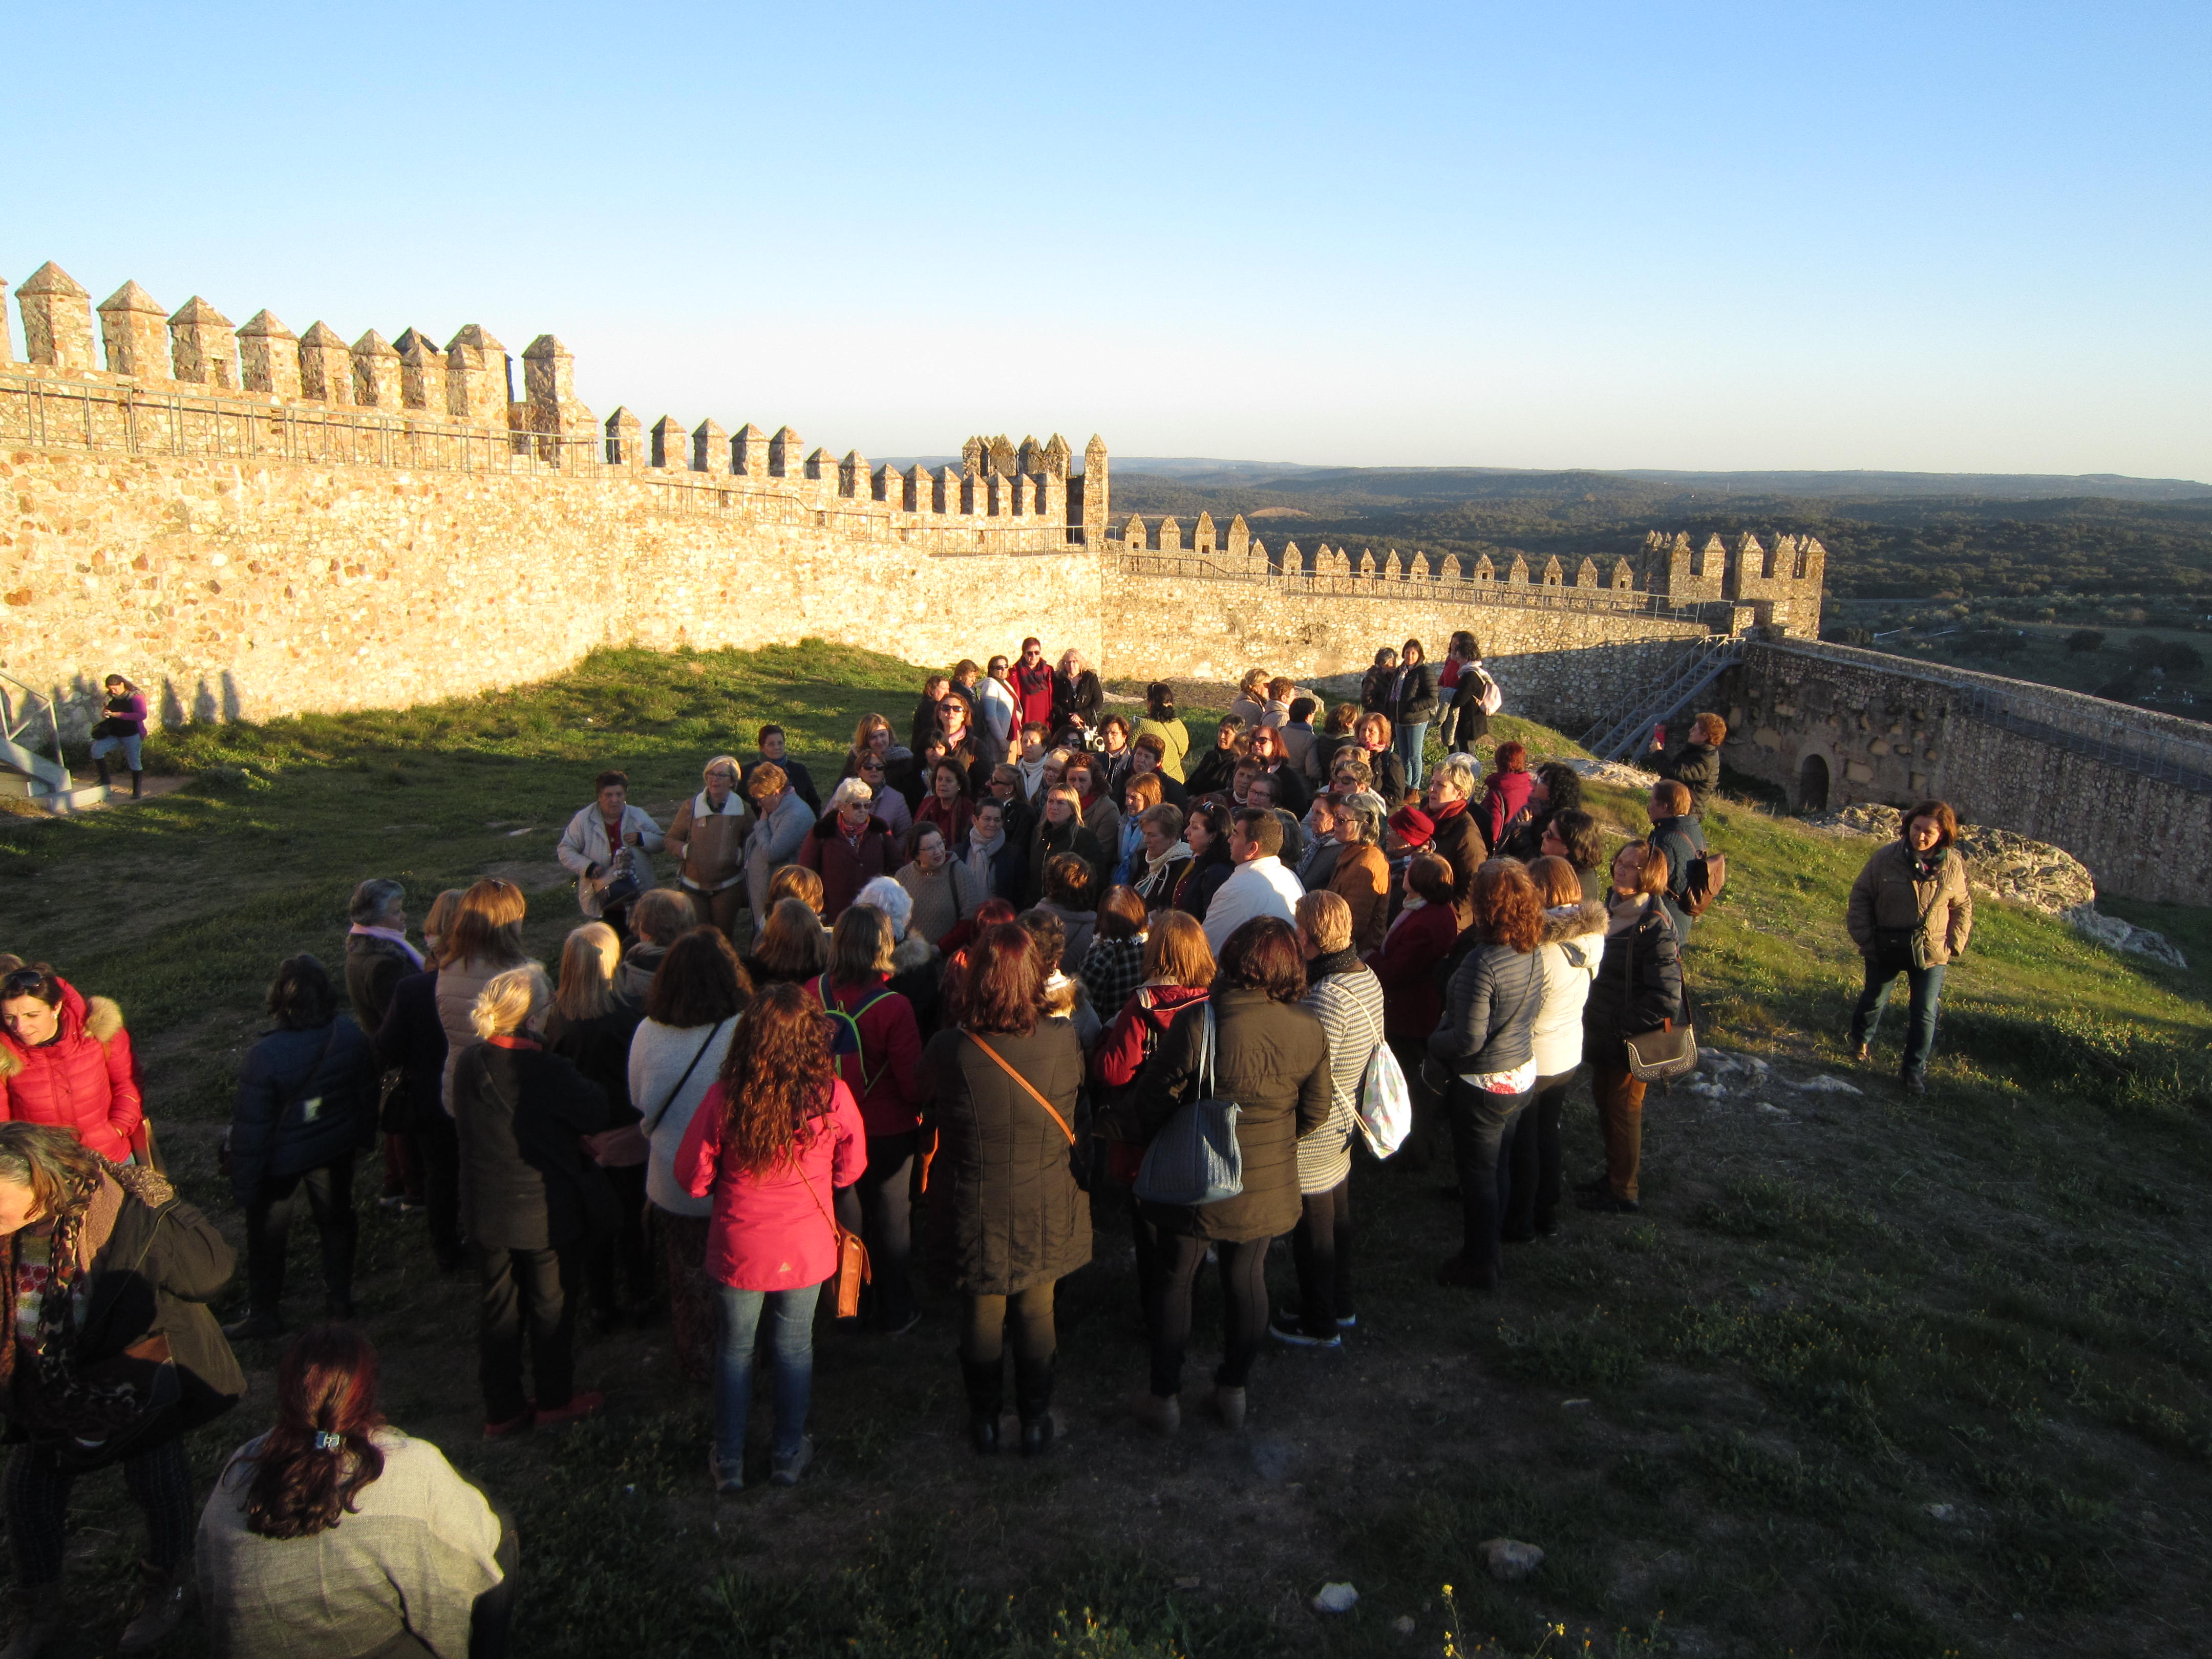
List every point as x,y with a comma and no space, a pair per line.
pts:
1006,1221
592,1024
1413,706
1270,1057
1484,1045
1207,834
306,1108
123,1261
1077,698
531,1199
1638,988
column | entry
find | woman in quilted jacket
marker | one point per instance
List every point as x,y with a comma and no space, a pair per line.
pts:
67,1061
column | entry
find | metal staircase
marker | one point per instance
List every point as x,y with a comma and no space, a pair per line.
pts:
1618,735
47,782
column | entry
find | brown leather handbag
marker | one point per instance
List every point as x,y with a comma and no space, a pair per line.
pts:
853,1269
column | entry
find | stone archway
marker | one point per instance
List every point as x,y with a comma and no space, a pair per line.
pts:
1813,785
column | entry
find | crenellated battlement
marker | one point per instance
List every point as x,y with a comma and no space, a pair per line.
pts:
190,383
1782,581
1776,585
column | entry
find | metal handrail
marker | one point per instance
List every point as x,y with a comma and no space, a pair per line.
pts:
1613,736
1458,589
12,722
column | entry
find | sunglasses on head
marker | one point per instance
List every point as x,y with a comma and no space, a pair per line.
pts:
21,980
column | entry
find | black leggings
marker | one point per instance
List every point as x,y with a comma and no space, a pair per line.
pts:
1321,1248
983,1338
37,1503
1243,1309
328,1188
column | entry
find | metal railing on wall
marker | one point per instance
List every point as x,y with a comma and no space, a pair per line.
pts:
1456,590
40,413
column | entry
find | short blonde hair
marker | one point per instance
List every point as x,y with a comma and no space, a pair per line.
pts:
722,764
508,999
1456,771
589,957
1326,919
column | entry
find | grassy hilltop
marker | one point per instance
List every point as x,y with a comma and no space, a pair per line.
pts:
1862,1379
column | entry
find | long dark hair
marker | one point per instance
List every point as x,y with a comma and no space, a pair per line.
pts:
779,1076
313,1465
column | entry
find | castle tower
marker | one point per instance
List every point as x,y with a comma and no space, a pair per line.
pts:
376,373
269,356
1095,496
478,387
326,364
57,313
784,452
135,330
710,447
203,346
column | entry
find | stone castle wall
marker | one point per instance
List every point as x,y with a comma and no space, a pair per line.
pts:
2127,792
250,522
1563,657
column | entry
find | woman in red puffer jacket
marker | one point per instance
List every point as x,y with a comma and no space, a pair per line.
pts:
67,1062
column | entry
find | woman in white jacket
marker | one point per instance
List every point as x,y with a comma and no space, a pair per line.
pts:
676,1053
1574,944
606,842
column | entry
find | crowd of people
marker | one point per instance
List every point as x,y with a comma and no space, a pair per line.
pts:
936,1028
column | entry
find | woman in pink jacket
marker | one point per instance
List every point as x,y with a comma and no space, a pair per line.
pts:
775,1137
67,1062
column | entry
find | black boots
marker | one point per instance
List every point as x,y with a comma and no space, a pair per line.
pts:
987,1398
136,778
1033,1400
104,779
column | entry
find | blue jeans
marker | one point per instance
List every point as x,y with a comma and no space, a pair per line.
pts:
791,1346
103,747
1407,741
1926,985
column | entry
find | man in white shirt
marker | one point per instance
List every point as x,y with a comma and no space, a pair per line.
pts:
1260,885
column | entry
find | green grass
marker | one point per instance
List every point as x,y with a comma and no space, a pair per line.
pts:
1725,1421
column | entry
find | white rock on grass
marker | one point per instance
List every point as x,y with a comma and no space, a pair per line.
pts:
1336,1598
1509,1559
1825,1085
2123,935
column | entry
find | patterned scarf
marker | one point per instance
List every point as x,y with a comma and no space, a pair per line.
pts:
53,1398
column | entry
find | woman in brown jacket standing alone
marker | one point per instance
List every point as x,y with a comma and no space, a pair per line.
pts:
1910,913
709,839
1006,1220
1270,1057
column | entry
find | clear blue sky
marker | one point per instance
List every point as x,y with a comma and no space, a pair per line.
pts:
1926,236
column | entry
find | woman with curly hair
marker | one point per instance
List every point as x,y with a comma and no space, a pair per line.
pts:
335,1532
775,1138
1484,1045
113,1358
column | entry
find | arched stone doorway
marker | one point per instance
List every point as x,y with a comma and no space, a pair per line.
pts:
1813,785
